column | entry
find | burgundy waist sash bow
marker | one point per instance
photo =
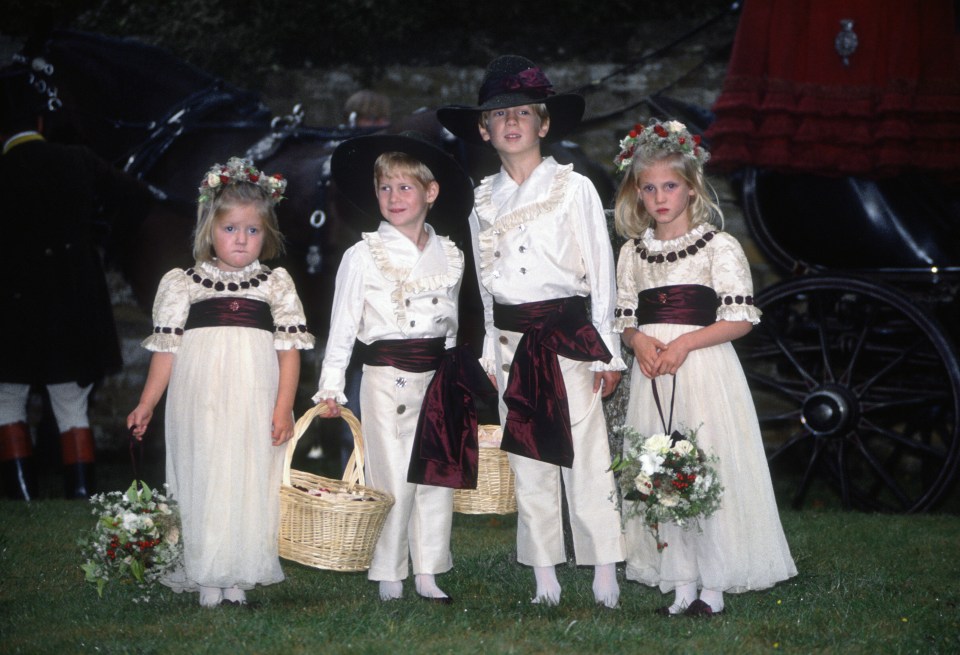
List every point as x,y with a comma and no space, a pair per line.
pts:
538,416
414,355
679,304
444,452
230,312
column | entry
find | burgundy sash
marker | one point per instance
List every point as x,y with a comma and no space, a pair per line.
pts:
230,312
414,355
680,304
444,450
538,416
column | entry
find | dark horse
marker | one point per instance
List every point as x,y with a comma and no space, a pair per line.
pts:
167,122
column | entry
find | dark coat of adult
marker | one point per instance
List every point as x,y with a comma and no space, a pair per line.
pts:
57,323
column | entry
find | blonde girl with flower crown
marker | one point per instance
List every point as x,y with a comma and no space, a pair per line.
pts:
684,294
226,341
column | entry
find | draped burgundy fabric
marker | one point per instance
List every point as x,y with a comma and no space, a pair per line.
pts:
791,102
679,304
538,415
445,445
234,312
414,355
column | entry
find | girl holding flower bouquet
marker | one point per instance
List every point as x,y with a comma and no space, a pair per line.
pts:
684,293
226,341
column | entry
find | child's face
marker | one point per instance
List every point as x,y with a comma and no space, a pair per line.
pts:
666,197
404,202
514,129
237,237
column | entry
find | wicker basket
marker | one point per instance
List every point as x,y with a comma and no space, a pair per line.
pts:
495,492
338,534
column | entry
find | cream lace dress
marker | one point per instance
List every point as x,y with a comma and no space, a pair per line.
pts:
742,546
221,465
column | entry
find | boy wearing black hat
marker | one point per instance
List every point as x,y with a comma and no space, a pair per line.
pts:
395,307
542,249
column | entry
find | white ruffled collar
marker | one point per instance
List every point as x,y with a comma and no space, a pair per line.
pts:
656,245
405,286
539,195
210,269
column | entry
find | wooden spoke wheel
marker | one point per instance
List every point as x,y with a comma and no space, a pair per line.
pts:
858,393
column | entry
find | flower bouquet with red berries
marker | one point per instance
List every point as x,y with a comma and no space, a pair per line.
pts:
136,538
666,478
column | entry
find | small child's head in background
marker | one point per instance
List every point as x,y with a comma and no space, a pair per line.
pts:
238,194
367,108
392,163
514,81
671,146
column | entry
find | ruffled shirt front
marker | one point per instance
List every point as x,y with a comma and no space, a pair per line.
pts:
180,288
542,240
701,256
389,289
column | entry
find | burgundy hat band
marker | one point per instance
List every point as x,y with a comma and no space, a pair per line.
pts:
531,81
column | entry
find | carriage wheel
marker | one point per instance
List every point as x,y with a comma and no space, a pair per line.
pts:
858,393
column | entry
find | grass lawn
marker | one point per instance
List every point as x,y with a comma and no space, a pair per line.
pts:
867,584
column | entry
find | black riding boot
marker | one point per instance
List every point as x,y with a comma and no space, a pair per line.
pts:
16,462
77,451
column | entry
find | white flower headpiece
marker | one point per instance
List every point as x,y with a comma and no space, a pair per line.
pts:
237,170
657,137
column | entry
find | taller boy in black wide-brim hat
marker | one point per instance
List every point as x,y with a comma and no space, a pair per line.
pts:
395,308
547,280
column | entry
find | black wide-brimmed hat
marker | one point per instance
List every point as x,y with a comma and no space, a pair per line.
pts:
352,168
510,81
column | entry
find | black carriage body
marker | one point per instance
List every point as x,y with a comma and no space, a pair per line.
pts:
854,366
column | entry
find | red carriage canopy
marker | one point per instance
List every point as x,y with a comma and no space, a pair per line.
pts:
849,87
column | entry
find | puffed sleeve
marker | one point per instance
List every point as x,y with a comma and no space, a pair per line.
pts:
625,316
290,322
170,309
730,271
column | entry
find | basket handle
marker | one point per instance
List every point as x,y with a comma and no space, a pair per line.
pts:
353,473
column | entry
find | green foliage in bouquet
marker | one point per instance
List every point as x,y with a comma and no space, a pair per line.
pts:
136,538
666,478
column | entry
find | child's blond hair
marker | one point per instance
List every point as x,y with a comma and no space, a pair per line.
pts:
229,197
631,219
400,163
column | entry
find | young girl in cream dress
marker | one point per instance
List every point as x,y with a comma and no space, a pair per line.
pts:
684,293
226,344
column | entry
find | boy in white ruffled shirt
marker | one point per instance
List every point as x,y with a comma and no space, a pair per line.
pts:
395,308
542,250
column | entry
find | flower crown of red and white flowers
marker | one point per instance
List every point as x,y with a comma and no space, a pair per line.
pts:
657,137
236,170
